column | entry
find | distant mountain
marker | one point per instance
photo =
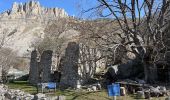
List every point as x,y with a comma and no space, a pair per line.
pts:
32,10
25,23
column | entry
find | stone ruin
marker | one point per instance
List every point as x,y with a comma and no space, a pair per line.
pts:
40,70
45,63
33,74
69,70
78,65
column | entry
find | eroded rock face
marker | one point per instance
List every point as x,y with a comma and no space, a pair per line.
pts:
34,10
24,24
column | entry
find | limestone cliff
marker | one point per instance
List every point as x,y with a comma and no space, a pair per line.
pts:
25,23
32,10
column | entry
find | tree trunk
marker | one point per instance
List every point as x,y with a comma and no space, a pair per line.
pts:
150,72
145,66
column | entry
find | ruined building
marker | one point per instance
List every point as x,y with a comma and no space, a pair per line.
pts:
78,65
40,70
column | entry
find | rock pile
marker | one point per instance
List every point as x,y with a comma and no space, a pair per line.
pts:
11,94
152,92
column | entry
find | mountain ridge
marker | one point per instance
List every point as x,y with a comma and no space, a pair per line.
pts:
33,10
25,23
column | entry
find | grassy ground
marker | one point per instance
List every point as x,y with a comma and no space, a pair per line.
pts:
72,94
22,85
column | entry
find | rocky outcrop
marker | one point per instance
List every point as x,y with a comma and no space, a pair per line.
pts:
24,24
33,10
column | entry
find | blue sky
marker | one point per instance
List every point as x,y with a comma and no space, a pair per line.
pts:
72,7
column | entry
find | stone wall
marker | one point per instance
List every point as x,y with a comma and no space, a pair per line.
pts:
40,70
69,71
46,61
80,64
34,71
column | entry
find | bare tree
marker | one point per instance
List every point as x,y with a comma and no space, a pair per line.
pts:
141,23
7,56
3,37
7,60
52,39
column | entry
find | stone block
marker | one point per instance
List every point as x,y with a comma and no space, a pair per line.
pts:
61,98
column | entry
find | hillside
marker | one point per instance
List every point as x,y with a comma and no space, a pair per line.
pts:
23,24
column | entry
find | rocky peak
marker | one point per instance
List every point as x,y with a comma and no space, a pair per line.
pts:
33,9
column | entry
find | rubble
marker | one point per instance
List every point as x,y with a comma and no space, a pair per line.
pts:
140,95
16,94
142,89
93,87
40,96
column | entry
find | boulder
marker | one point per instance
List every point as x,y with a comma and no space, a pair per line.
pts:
155,92
52,98
163,90
8,95
61,98
147,94
94,88
40,96
99,87
140,95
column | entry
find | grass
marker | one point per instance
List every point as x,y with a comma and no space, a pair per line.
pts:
72,94
23,85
